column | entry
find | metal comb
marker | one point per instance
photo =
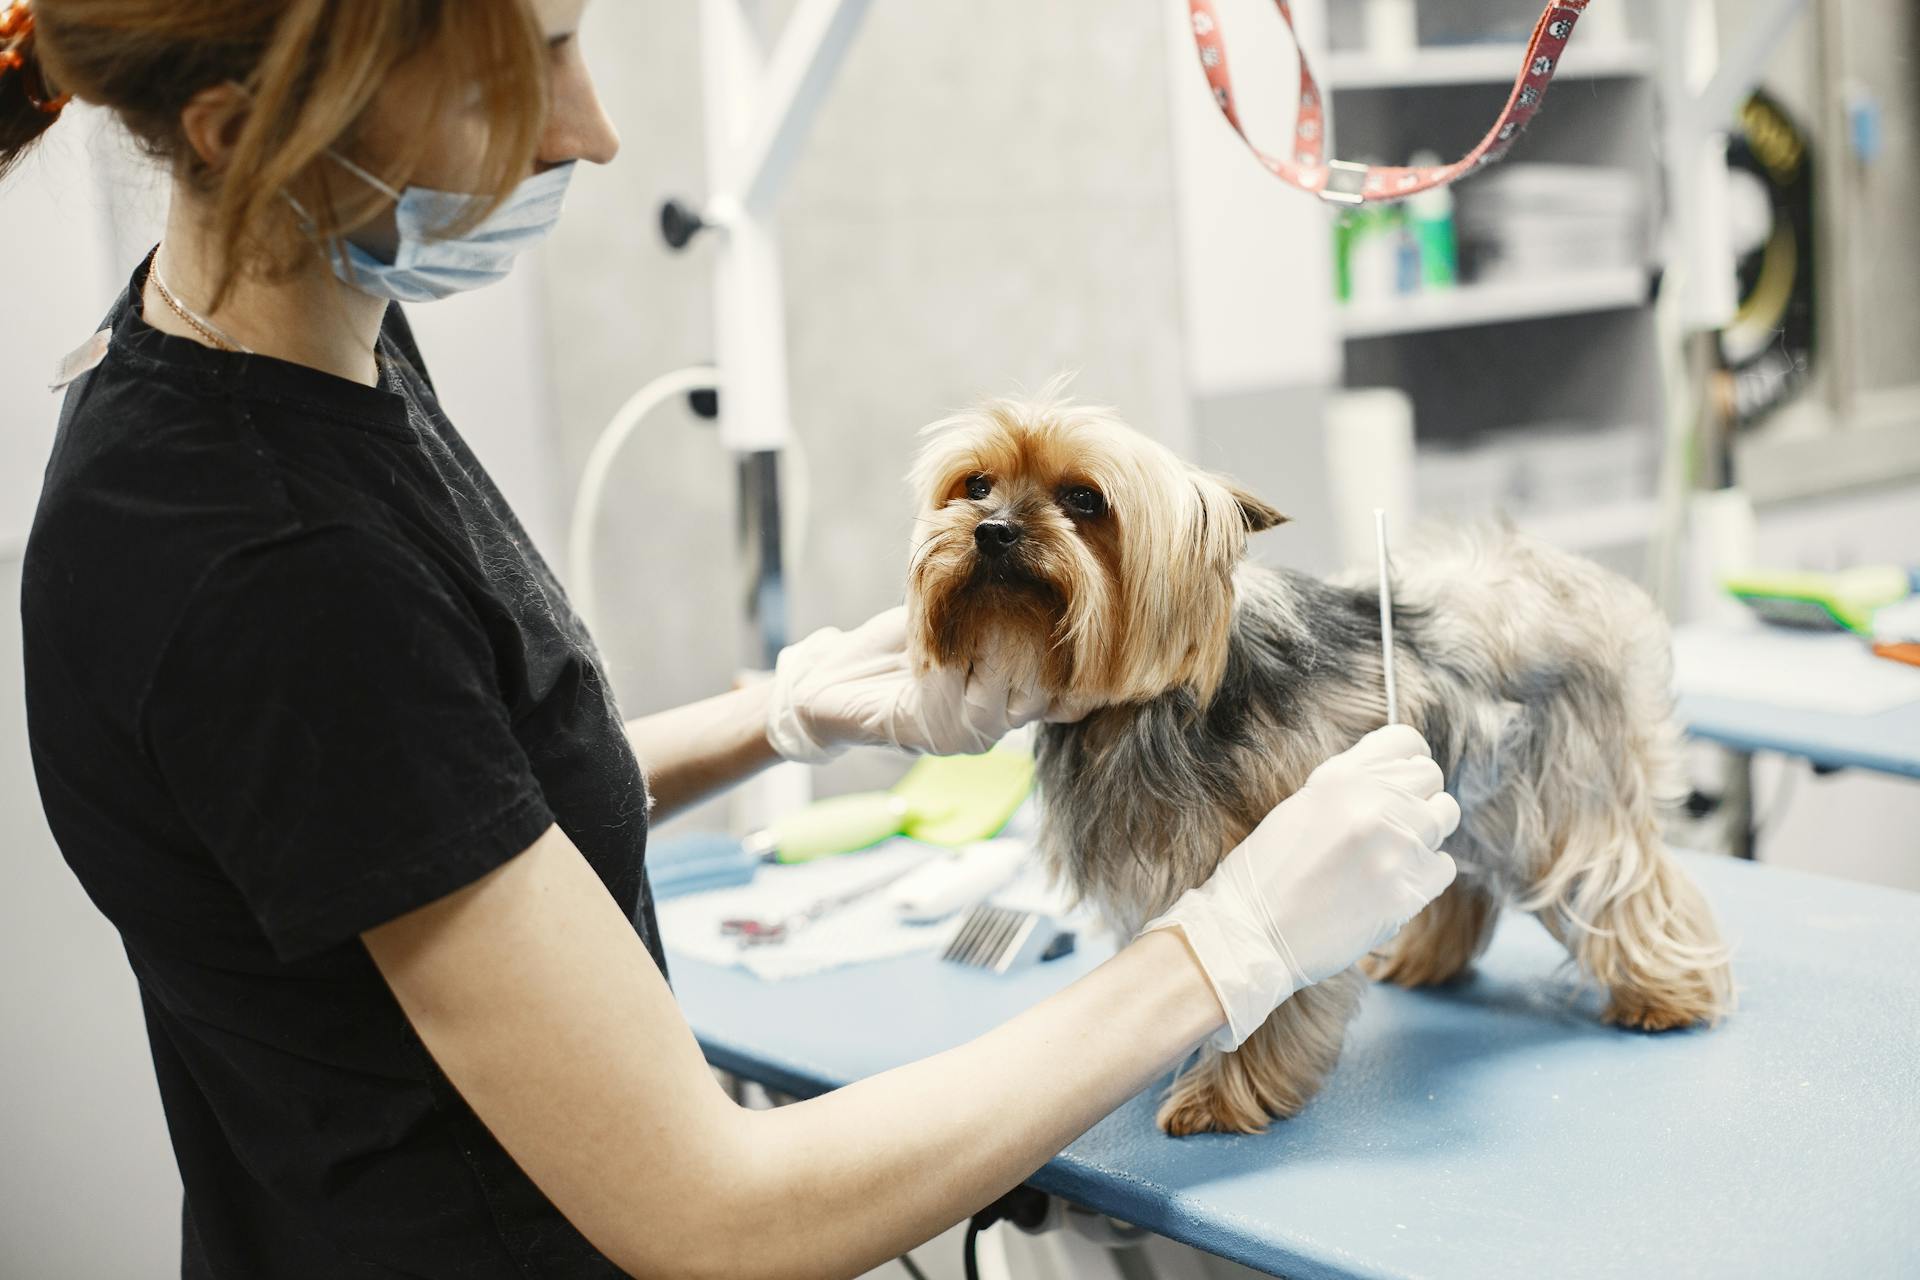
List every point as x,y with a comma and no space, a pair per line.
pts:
998,938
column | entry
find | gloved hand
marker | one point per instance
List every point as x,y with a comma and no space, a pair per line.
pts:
1329,875
837,689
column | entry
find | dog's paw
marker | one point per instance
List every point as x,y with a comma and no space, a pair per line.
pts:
1187,1112
1203,1103
1687,998
1637,1012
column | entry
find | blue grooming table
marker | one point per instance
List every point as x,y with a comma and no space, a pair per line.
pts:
1887,742
1492,1129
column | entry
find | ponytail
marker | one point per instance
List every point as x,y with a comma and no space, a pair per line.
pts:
28,105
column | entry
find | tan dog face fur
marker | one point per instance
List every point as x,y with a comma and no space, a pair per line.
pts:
1059,545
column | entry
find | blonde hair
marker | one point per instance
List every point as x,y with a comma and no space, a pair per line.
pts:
311,69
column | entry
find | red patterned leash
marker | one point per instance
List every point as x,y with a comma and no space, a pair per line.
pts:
1342,183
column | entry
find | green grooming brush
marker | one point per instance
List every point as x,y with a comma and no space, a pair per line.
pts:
956,800
1843,601
944,800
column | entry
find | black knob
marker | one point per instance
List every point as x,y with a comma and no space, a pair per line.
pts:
680,222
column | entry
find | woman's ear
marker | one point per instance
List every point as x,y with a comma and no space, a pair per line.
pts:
211,123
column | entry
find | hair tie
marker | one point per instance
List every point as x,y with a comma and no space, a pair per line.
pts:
16,30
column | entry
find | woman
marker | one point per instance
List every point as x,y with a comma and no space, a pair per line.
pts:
317,731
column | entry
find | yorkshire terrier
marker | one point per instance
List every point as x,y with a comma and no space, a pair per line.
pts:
1097,565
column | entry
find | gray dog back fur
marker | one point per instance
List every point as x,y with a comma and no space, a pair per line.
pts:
1538,678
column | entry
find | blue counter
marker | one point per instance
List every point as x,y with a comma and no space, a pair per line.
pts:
1493,1129
1782,709
1886,742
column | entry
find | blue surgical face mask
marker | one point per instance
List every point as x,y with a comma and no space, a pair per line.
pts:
428,266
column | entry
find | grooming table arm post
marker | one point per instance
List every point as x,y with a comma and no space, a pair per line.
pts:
811,49
758,110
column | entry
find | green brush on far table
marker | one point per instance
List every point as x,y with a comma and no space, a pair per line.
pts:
1844,601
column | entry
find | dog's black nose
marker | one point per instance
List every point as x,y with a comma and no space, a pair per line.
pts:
995,537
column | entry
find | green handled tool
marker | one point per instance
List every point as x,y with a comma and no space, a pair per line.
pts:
943,800
1844,601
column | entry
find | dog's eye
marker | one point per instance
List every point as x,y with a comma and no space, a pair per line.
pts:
978,487
1082,501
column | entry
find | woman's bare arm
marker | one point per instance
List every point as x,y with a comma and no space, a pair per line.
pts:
691,752
538,1000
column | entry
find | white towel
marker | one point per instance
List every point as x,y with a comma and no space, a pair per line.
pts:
867,929
862,930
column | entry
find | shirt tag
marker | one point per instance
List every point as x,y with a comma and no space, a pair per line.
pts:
80,359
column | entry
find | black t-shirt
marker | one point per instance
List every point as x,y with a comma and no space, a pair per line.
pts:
293,670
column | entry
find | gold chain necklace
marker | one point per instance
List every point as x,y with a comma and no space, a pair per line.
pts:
205,328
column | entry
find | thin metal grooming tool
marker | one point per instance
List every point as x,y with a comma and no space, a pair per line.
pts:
1386,646
1386,617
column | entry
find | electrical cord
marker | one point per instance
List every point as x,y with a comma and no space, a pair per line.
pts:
913,1268
593,478
970,1251
583,531
1023,1206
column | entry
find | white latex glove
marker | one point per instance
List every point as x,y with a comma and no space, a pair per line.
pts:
837,689
1324,879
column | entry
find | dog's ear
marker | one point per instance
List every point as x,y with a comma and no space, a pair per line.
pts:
1259,514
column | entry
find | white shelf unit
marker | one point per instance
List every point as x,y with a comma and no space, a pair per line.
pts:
1571,350
1468,305
1497,63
